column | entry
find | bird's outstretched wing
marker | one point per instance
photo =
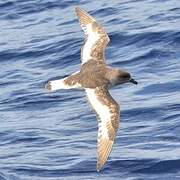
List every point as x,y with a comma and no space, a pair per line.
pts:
108,121
96,39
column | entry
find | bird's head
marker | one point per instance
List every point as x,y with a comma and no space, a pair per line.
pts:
117,77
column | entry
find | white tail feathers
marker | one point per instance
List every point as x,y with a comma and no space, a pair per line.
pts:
55,85
69,82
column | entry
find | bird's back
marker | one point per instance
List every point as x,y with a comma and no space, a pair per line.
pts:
93,74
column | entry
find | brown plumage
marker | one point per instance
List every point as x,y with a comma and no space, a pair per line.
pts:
92,28
95,77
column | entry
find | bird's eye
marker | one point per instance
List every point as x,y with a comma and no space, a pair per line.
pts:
125,76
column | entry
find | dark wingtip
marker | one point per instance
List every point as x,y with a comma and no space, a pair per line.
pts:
98,168
77,8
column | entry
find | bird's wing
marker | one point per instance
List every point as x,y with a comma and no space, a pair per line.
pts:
108,121
96,39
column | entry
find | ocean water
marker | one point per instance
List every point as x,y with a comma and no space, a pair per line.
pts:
52,136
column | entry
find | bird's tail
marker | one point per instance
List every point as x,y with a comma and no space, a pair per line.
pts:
69,82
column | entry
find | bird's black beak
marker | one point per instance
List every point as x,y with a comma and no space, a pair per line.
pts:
133,81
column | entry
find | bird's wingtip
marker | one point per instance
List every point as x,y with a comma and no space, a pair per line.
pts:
77,9
99,167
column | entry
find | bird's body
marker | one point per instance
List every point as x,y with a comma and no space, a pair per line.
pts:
93,74
95,77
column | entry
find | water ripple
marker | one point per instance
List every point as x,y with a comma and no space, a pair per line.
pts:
53,135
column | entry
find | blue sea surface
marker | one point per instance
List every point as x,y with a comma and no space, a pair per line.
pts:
52,136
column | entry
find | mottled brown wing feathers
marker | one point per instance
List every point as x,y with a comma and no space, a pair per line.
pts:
103,150
84,17
96,39
108,112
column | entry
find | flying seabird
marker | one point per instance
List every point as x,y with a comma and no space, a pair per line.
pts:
95,77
